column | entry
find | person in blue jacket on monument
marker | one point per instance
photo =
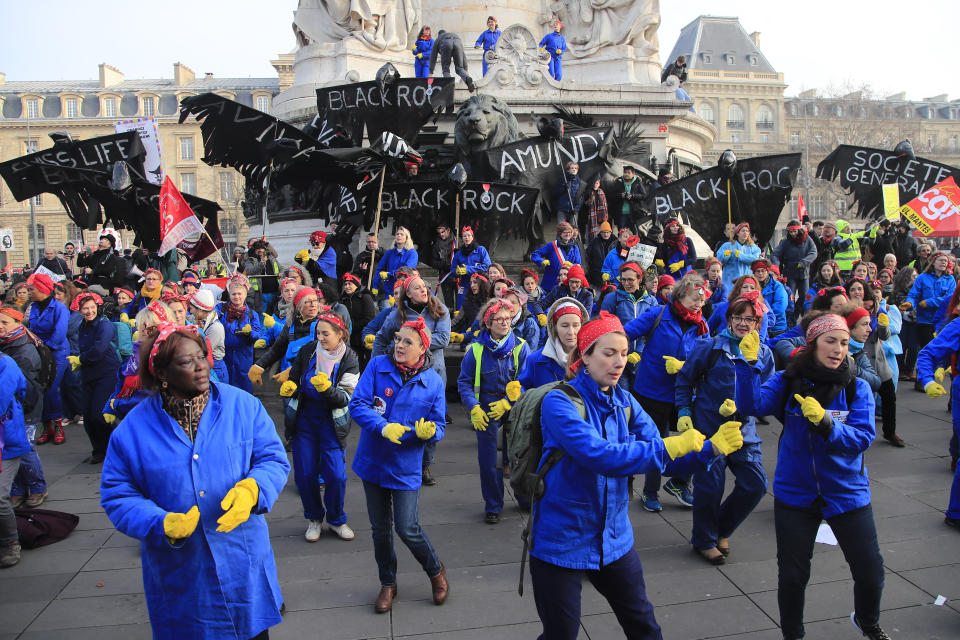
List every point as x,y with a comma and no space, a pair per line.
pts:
549,363
581,526
676,256
556,45
488,40
242,332
421,53
705,392
190,473
929,290
552,255
469,258
828,424
399,405
402,254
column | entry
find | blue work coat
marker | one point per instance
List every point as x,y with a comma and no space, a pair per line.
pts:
540,369
584,296
611,264
50,325
211,584
809,465
392,260
439,335
736,265
98,358
381,397
496,370
488,40
239,346
553,42
556,254
718,320
777,299
668,339
927,288
13,390
668,256
477,261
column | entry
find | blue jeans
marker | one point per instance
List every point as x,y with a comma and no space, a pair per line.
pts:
713,519
400,508
556,591
429,453
312,461
857,534
491,478
29,480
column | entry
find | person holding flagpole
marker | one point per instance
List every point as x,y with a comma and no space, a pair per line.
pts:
469,259
551,256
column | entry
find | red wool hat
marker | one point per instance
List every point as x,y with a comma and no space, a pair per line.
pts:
854,316
302,293
576,272
665,281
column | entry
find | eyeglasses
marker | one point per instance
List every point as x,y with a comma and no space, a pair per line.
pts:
743,320
501,320
316,244
398,339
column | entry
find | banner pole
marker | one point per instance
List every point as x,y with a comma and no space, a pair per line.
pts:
376,223
266,198
456,231
729,214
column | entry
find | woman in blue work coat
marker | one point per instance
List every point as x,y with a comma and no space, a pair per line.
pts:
399,405
49,320
738,255
488,40
828,424
402,254
470,258
551,256
580,527
421,53
194,456
242,332
549,363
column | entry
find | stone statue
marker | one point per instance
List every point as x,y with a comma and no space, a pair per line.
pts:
382,25
590,25
483,122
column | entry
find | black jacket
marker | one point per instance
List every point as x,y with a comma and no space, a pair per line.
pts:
57,265
880,246
361,266
362,309
597,252
441,251
108,271
637,194
905,248
25,354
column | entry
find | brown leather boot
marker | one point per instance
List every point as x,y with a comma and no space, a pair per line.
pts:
47,432
385,600
440,586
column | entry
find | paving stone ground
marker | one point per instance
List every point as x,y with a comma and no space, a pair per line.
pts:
90,584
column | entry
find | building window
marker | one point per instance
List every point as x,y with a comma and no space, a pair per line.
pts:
707,58
954,144
931,143
764,138
110,107
74,234
40,238
838,110
735,137
33,109
731,60
706,112
813,110
149,106
764,118
38,200
228,227
817,138
816,208
226,187
754,61
71,108
188,183
263,104
841,208
735,117
794,137
186,148
30,146
794,205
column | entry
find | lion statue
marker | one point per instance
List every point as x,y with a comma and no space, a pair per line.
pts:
484,122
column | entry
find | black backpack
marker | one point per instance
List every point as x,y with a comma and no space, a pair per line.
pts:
48,366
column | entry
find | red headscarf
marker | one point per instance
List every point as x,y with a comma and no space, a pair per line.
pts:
603,324
420,327
756,301
41,282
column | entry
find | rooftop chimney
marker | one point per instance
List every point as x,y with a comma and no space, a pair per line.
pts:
897,97
809,93
208,75
755,36
109,76
182,74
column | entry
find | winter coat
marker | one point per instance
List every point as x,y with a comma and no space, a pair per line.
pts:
381,397
795,260
50,325
285,349
627,308
527,329
362,309
314,408
57,266
939,352
392,260
635,204
846,256
584,296
239,346
441,251
777,299
738,262
548,363
323,267
439,335
423,46
374,325
98,358
211,584
498,366
13,391
73,332
666,256
107,268
477,261
24,352
808,465
137,305
708,378
361,265
556,253
718,320
669,338
597,252
873,347
567,197
488,40
927,288
553,42
582,520
905,248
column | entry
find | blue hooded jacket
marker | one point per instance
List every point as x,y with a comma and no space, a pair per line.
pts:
392,260
667,339
50,325
736,265
931,290
13,390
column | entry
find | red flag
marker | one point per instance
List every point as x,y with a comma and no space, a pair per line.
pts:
177,219
802,209
938,205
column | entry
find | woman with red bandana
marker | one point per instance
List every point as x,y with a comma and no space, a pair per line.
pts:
574,285
738,254
470,258
676,255
718,313
665,285
49,320
242,332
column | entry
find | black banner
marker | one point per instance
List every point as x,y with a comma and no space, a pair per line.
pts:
27,175
863,171
540,162
759,189
407,106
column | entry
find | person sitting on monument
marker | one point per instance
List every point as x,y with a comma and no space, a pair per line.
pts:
676,255
676,68
567,195
556,45
449,47
488,40
627,198
421,53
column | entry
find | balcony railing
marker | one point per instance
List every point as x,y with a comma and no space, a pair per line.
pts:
765,125
735,124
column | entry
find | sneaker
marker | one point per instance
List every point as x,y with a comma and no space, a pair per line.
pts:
952,522
314,528
17,501
874,632
651,503
10,555
679,491
343,531
895,440
35,499
492,518
427,479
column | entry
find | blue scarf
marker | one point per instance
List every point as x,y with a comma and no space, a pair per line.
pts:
734,341
855,347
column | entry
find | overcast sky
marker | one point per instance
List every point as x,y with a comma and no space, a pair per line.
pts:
891,46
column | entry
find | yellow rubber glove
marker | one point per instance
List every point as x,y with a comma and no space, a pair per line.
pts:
384,275
684,423
237,503
672,364
479,419
659,263
498,408
321,382
425,429
255,374
750,346
545,263
414,48
676,266
922,304
124,317
938,374
393,431
391,301
728,438
883,320
810,408
303,255
288,388
605,277
906,306
633,358
513,390
135,336
559,52
737,253
541,49
375,291
456,338
687,442
727,253
132,322
113,403
283,376
461,270
268,321
542,319
368,341
260,344
109,418
246,329
728,408
74,362
420,56
180,525
934,390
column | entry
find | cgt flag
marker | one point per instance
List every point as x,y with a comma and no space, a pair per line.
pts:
177,220
802,209
933,207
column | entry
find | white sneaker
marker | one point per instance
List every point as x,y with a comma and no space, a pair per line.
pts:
313,531
343,531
